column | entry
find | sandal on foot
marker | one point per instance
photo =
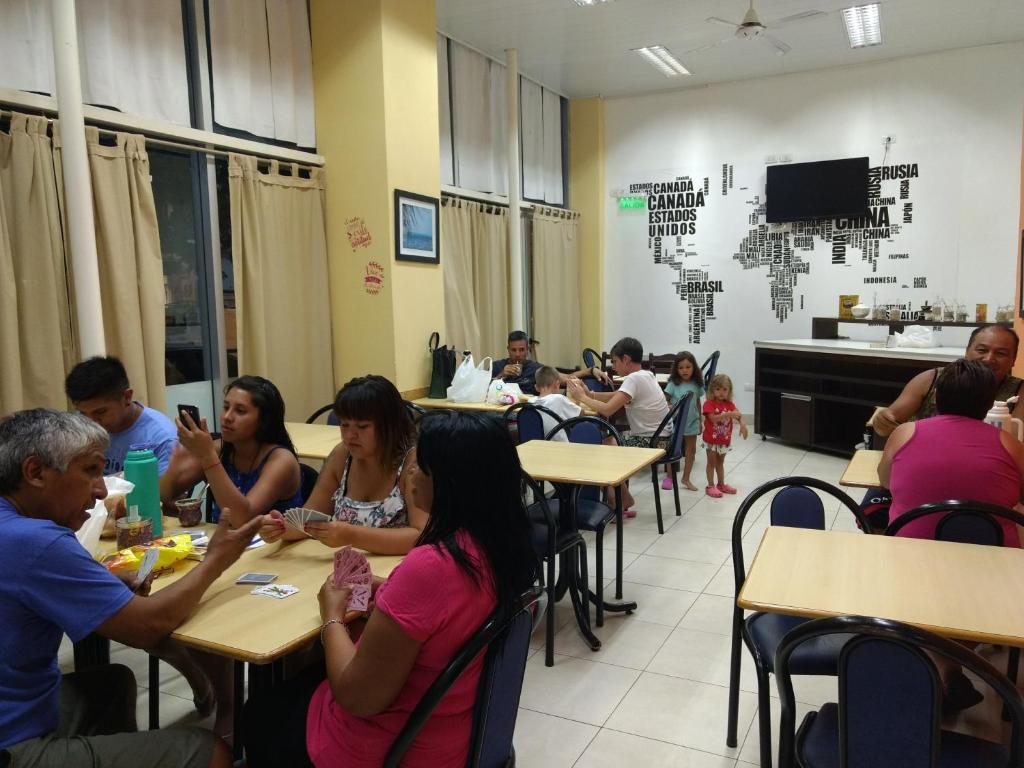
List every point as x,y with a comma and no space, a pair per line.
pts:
726,488
628,513
666,484
713,492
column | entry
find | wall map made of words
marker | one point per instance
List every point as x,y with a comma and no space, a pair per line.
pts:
673,209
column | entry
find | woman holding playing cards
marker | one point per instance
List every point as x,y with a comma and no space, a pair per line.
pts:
365,481
473,555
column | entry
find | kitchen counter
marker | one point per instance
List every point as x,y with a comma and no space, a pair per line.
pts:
863,348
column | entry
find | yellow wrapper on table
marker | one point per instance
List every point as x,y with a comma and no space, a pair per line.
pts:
171,549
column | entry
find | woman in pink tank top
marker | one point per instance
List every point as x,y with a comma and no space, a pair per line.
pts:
954,455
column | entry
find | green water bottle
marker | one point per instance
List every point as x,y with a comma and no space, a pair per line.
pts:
140,468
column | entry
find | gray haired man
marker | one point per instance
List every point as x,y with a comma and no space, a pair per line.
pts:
51,474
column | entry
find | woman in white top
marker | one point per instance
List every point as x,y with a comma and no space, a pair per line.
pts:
641,396
364,482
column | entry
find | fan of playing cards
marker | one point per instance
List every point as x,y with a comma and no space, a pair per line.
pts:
297,517
351,569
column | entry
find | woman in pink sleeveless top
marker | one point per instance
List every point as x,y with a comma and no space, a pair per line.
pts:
954,455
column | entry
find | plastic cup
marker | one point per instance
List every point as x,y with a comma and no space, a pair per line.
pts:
131,533
190,512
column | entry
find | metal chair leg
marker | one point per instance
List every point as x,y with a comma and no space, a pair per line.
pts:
657,497
549,630
764,718
675,487
734,679
599,586
154,693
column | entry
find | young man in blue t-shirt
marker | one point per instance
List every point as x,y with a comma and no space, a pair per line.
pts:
51,474
99,388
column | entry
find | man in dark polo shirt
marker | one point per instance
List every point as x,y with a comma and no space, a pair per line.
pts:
518,369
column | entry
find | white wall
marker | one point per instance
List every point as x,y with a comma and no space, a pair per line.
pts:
957,115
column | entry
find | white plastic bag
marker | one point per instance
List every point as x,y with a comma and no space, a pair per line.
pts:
503,392
469,384
89,534
916,336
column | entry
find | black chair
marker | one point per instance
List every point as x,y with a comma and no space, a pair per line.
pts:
308,480
795,506
592,358
661,363
416,412
890,701
592,513
529,420
675,451
505,637
708,368
553,535
332,417
967,522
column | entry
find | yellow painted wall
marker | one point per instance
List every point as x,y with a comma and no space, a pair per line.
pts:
413,165
586,194
1018,324
375,85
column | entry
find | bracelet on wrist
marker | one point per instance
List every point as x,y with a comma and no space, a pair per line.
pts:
211,466
328,623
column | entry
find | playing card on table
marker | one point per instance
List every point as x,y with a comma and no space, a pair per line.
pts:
280,591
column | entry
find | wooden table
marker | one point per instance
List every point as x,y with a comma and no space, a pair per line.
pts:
582,464
433,403
313,441
962,591
862,471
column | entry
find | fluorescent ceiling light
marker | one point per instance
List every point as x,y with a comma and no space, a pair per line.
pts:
584,3
863,27
662,60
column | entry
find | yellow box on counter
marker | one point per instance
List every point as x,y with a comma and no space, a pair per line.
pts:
846,303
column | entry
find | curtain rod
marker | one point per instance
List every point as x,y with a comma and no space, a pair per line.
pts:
170,144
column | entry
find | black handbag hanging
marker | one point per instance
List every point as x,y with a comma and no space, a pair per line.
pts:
442,367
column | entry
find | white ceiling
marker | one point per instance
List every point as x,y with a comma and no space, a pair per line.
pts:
585,52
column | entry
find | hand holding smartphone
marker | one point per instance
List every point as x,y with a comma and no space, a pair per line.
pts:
192,411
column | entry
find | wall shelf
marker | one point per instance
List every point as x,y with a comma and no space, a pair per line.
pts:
828,327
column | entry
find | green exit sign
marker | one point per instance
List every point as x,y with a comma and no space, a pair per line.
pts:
633,202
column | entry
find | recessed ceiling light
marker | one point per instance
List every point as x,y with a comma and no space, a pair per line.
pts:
584,3
661,59
863,27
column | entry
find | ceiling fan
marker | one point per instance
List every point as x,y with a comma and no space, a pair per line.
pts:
752,28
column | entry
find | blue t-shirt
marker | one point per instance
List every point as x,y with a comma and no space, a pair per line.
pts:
677,392
49,586
152,429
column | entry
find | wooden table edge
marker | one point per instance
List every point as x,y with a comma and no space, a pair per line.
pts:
619,481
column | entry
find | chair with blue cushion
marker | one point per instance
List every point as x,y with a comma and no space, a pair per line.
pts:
593,359
674,452
528,420
709,367
416,412
505,637
332,417
967,522
592,512
553,535
795,505
889,711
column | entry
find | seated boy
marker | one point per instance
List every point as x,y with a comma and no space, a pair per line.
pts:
549,396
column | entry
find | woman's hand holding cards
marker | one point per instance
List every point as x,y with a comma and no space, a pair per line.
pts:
272,528
333,599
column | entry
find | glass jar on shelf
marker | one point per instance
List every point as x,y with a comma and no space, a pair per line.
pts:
961,312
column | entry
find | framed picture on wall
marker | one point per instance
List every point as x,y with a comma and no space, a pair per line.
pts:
416,228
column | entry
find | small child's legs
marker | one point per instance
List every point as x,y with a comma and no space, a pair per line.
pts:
716,466
691,454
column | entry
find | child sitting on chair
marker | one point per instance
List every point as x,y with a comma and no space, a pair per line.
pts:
549,396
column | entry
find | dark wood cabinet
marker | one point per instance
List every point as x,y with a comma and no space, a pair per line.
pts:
821,397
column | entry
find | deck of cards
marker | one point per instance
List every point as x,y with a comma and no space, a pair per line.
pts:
297,517
351,569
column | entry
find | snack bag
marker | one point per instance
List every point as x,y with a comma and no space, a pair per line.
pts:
171,549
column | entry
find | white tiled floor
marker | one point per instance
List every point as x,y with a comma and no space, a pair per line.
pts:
656,691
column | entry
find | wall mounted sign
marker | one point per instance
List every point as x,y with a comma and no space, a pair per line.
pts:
373,280
357,232
416,228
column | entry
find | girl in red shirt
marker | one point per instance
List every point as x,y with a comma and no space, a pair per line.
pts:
719,413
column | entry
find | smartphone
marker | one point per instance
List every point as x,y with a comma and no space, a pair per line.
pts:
191,410
256,578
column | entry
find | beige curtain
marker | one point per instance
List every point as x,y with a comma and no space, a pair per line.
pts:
462,327
476,276
36,343
130,261
279,247
556,286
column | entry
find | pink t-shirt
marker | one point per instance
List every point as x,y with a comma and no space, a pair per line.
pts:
952,457
438,604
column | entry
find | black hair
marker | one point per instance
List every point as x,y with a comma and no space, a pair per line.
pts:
628,346
987,326
476,477
96,377
698,374
518,336
965,388
374,398
266,398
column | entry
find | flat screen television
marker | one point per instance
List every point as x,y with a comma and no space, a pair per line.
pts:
822,190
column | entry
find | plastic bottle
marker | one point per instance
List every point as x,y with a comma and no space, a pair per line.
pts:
140,468
999,417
